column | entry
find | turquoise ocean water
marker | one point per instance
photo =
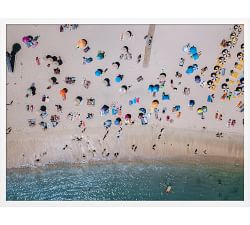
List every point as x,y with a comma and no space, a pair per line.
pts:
128,181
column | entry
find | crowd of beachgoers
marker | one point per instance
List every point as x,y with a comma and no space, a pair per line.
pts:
230,83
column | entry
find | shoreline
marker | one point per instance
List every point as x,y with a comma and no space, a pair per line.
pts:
200,160
48,149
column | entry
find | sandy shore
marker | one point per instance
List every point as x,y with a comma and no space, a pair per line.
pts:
47,148
184,137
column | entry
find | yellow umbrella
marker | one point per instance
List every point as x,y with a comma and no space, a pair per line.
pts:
82,43
199,111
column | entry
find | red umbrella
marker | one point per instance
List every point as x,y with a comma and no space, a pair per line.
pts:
128,116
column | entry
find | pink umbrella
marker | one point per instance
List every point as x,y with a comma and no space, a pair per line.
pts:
26,39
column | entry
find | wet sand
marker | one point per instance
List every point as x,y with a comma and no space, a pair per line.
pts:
174,143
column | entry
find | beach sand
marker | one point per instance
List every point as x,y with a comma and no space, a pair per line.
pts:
174,144
28,146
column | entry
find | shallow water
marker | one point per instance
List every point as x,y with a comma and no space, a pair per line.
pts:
128,181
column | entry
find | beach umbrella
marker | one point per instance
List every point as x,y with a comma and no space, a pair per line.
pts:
116,65
104,110
140,115
204,108
129,33
100,55
156,88
63,91
155,104
89,60
217,68
195,67
128,116
186,48
78,99
165,97
106,81
53,80
15,48
143,110
150,88
221,60
82,43
125,49
195,56
238,89
177,108
31,38
117,121
209,98
162,77
191,103
114,110
224,86
107,123
98,72
200,111
118,78
240,56
123,89
197,79
25,39
190,70
225,52
209,82
193,50
43,108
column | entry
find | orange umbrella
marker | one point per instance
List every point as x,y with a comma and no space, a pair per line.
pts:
82,43
155,104
63,93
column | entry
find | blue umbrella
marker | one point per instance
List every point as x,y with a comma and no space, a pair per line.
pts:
209,98
197,79
98,72
156,88
107,123
177,107
151,88
190,70
105,110
204,108
165,97
118,78
117,121
195,56
143,110
195,67
191,103
89,60
100,55
193,50
114,111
